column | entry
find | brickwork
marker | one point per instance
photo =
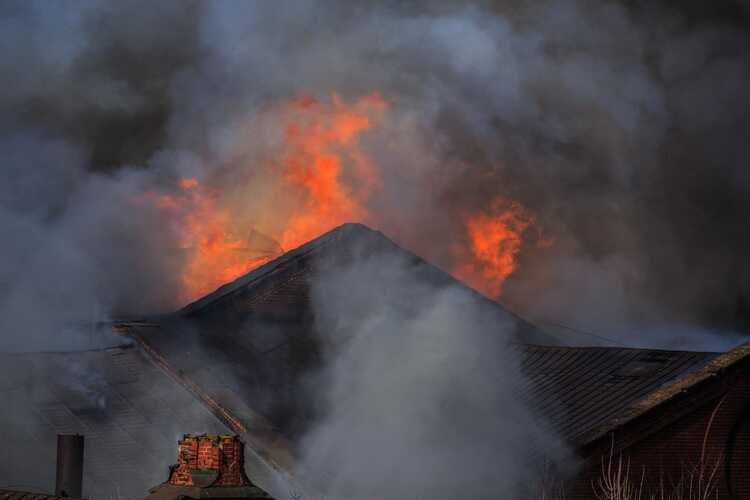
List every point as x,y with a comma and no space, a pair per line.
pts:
675,451
221,454
208,454
187,459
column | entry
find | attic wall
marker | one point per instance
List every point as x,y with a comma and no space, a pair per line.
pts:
676,450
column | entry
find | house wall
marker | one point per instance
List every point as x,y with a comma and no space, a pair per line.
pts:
678,450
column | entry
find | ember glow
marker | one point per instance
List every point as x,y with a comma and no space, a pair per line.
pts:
319,178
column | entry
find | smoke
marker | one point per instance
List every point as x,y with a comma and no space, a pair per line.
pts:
619,126
423,394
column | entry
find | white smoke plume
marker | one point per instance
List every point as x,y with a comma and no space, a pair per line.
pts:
422,392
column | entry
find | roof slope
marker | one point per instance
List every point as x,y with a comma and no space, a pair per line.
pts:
281,286
25,495
587,391
584,392
245,351
130,412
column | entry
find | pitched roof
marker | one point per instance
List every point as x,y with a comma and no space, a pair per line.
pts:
281,286
586,392
681,395
25,495
129,411
246,348
126,399
170,492
249,375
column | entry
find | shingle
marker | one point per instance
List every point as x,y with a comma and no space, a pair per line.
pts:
582,388
133,405
224,346
126,451
24,495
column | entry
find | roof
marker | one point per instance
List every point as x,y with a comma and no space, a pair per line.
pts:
171,492
25,495
212,368
246,349
583,392
586,392
130,412
281,286
243,349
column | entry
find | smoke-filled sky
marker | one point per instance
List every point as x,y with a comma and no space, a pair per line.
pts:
619,127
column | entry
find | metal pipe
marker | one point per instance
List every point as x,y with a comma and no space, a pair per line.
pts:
69,466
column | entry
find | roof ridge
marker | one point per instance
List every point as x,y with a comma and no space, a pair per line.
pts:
279,262
337,234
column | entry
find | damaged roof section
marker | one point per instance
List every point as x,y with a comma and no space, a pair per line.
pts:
280,289
249,348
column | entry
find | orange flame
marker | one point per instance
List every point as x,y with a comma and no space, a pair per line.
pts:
218,254
319,142
322,180
319,178
495,238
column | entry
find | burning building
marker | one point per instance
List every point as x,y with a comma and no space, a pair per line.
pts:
162,268
241,359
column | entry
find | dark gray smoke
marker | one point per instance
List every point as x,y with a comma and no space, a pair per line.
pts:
620,125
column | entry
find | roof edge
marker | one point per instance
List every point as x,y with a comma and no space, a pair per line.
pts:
687,385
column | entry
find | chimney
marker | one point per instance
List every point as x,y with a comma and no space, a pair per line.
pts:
208,466
209,460
69,466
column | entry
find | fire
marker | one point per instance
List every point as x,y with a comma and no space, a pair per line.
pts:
320,179
494,240
217,252
320,141
317,177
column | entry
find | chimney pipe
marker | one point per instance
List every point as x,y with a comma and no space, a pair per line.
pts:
69,466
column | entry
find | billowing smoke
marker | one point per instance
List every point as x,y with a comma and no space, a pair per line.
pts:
619,126
423,393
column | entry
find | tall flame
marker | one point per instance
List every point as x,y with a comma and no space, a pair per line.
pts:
319,141
319,178
495,238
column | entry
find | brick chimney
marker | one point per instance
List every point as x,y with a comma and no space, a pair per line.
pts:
208,466
208,460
